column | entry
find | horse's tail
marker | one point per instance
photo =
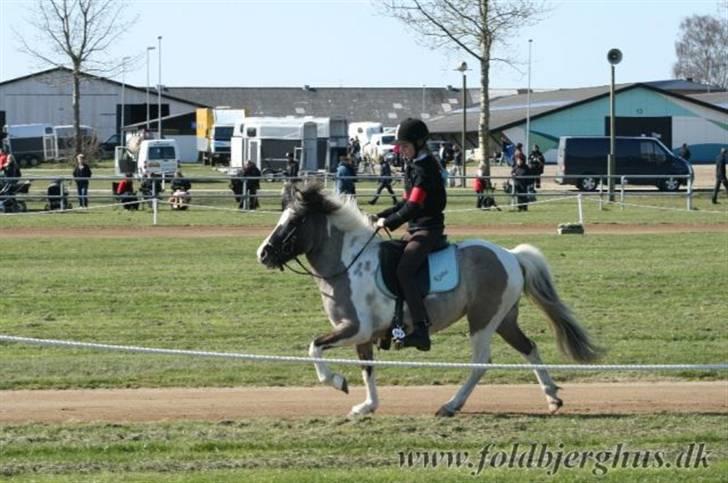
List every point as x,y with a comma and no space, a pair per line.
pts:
571,338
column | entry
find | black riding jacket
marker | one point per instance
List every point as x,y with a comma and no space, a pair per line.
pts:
425,198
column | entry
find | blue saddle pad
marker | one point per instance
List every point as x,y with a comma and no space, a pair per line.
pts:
440,274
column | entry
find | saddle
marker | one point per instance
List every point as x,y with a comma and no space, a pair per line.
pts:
440,273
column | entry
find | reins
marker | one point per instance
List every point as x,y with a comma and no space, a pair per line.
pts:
307,271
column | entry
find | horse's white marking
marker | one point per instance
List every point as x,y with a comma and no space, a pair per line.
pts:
285,216
371,403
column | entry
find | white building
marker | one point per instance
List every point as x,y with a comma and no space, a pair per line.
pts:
46,97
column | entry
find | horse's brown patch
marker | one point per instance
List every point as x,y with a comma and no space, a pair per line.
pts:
490,293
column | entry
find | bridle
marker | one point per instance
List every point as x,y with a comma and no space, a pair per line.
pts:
307,271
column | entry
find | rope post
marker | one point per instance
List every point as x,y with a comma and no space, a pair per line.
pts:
154,202
246,196
61,188
601,196
513,191
690,194
580,207
623,181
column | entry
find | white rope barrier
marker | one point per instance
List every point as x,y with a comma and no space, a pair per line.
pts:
356,362
663,208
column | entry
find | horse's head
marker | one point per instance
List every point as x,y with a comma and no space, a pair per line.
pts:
300,226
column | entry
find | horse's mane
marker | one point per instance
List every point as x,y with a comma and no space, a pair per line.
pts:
343,213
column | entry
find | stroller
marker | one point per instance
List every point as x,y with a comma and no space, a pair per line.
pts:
57,197
8,192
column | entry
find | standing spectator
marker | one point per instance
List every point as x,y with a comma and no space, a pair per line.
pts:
345,177
126,194
536,163
684,152
481,185
518,154
720,177
385,182
10,168
506,151
291,167
81,176
521,182
3,157
252,185
456,155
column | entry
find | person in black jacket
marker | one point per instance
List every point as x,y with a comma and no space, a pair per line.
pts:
291,167
81,175
252,185
521,184
423,205
720,177
536,162
385,182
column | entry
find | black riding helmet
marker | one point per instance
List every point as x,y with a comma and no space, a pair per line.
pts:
413,131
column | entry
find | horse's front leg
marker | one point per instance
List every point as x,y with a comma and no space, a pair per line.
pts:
371,403
346,333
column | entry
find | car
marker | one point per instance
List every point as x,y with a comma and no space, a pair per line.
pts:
106,149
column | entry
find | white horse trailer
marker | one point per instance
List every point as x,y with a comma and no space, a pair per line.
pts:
317,142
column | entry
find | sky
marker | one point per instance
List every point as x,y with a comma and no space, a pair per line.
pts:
350,43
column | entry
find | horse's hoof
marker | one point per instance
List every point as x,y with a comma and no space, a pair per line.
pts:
554,405
445,412
340,383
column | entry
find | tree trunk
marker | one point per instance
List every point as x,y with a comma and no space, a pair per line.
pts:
484,122
78,147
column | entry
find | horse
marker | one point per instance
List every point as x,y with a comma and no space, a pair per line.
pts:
342,249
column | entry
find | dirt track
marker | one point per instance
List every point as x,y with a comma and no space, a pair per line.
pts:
216,404
263,231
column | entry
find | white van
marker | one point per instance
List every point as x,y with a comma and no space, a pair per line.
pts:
158,156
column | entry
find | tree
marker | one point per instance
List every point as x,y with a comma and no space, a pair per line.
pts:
76,34
475,26
702,50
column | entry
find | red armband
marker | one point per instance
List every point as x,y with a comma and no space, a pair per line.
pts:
417,196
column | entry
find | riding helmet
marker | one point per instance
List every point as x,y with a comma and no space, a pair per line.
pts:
412,131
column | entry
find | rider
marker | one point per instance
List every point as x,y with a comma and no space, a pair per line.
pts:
423,205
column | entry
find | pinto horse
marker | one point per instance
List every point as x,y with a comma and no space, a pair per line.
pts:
342,249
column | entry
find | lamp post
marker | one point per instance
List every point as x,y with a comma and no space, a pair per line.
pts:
528,101
150,48
159,90
614,56
462,69
123,102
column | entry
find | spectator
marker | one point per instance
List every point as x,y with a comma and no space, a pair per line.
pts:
536,163
125,192
506,151
81,176
456,155
345,177
720,177
520,173
518,154
236,185
10,168
480,185
291,167
3,157
251,186
684,152
385,182
181,186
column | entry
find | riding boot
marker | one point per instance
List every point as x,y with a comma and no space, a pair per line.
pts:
419,337
373,201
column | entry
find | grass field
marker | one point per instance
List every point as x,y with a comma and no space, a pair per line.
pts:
641,302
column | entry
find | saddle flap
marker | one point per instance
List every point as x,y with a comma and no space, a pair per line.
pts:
439,273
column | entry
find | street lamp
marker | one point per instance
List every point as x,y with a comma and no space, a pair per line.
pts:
614,56
462,69
150,48
528,100
159,90
123,102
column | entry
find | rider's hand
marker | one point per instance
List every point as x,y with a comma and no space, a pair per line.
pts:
381,222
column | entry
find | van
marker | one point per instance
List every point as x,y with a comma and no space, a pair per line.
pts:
158,156
582,162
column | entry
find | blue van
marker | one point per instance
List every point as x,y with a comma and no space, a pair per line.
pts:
582,162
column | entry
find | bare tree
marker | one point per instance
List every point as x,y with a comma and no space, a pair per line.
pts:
478,27
702,49
76,34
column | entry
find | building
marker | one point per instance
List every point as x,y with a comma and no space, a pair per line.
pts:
698,119
46,97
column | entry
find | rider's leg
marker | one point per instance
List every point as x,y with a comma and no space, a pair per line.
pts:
419,245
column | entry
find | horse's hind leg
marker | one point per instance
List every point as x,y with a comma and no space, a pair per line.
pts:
480,341
371,403
514,336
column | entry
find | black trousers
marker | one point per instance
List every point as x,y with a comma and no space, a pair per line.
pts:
419,244
716,190
388,186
